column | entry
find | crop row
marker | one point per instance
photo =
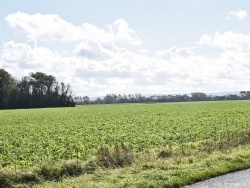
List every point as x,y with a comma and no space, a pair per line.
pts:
33,136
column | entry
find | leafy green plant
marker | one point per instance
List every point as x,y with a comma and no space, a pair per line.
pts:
46,138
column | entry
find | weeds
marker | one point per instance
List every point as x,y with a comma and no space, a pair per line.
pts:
4,182
166,152
118,156
10,177
58,171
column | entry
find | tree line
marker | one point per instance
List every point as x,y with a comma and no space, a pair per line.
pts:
138,98
37,90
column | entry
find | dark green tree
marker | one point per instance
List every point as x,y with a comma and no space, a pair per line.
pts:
7,85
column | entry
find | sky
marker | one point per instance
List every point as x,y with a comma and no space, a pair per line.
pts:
116,46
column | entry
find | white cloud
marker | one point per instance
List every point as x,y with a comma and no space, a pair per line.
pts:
91,50
233,63
239,14
22,58
123,32
228,41
29,57
174,52
51,27
43,27
100,62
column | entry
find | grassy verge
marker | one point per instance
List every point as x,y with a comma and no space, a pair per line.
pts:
148,170
120,166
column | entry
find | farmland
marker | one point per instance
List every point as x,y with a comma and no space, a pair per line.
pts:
154,136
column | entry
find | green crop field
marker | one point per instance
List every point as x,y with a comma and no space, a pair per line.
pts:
128,145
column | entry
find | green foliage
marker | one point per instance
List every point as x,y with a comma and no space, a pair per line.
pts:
30,137
48,138
38,90
40,135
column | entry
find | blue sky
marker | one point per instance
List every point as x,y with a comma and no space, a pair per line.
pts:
117,46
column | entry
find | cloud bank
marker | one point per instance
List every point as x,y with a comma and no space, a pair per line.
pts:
239,14
97,61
